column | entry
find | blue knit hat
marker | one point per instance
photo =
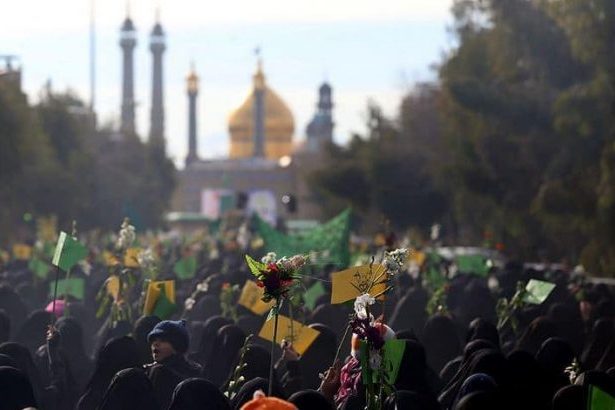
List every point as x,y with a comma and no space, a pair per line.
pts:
172,331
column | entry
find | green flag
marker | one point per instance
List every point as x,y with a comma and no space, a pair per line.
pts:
600,400
391,359
163,308
472,264
537,291
330,240
185,268
310,296
432,272
68,252
39,267
71,286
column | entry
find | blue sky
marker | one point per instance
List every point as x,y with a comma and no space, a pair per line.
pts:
364,49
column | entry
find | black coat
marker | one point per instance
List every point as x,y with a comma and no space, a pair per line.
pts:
167,374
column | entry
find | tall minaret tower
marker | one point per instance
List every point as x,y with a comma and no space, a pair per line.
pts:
192,87
157,47
259,110
128,41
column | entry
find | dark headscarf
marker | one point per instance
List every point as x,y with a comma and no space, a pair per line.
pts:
535,335
480,401
569,398
318,357
413,373
142,327
478,382
490,362
197,394
452,367
403,399
410,312
309,400
14,307
206,307
15,390
440,341
73,351
246,392
553,357
482,329
529,389
229,340
116,355
23,359
569,324
208,339
601,336
335,317
130,389
32,333
250,323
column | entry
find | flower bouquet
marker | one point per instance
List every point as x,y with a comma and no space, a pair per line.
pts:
277,277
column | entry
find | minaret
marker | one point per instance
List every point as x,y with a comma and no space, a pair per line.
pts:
259,111
128,41
192,87
320,129
325,108
157,47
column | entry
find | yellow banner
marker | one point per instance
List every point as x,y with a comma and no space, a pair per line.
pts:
113,286
250,298
299,335
22,251
131,258
153,292
342,289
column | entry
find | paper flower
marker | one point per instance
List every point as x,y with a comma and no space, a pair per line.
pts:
361,305
126,236
394,261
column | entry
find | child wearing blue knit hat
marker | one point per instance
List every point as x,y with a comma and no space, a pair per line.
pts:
169,341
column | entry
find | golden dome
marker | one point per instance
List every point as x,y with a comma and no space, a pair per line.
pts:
192,81
279,124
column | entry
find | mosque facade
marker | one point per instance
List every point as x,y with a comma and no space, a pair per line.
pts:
266,168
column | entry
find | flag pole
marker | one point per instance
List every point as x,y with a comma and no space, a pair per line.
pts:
55,295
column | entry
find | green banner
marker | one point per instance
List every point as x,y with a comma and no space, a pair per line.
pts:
329,240
185,268
72,286
600,400
68,252
472,264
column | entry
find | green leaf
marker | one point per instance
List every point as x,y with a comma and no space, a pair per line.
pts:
255,267
272,313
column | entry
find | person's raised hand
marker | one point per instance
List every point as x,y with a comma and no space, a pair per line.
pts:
331,381
288,352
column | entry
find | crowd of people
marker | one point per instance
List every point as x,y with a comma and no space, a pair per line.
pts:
455,356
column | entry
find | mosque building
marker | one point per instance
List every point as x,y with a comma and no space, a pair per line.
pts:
266,168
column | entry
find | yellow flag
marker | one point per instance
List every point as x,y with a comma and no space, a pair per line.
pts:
299,335
250,298
417,257
22,251
47,228
130,259
109,258
113,286
341,282
153,292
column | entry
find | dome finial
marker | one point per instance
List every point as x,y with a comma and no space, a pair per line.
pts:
193,79
259,76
